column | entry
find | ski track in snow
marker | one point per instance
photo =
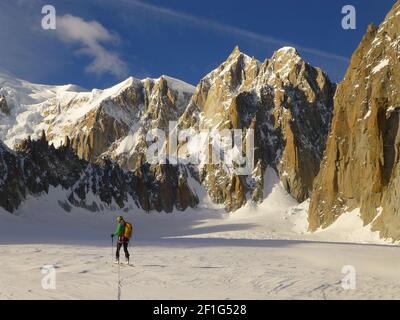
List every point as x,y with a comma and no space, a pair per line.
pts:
269,269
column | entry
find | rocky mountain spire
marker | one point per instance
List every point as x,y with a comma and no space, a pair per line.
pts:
361,166
289,105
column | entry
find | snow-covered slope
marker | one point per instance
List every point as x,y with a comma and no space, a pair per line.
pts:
20,93
68,110
28,104
202,254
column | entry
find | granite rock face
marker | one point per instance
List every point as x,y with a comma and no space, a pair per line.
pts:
361,167
287,103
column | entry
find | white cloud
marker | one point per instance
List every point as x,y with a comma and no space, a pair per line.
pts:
91,36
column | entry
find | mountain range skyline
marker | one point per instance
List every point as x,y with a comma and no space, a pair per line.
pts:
151,38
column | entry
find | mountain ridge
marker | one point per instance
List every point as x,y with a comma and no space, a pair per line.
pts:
271,97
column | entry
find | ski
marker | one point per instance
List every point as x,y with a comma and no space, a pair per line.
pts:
123,265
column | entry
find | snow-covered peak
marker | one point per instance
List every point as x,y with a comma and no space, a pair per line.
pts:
19,92
174,84
235,53
287,51
96,96
179,85
280,67
234,67
285,58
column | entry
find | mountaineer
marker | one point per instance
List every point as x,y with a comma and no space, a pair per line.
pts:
124,233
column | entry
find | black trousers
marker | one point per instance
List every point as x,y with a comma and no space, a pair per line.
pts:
123,243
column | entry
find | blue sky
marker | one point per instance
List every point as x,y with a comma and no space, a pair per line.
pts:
99,42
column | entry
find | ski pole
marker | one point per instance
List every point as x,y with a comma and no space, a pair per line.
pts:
112,249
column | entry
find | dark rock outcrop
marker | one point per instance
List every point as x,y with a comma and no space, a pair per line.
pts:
36,166
3,105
